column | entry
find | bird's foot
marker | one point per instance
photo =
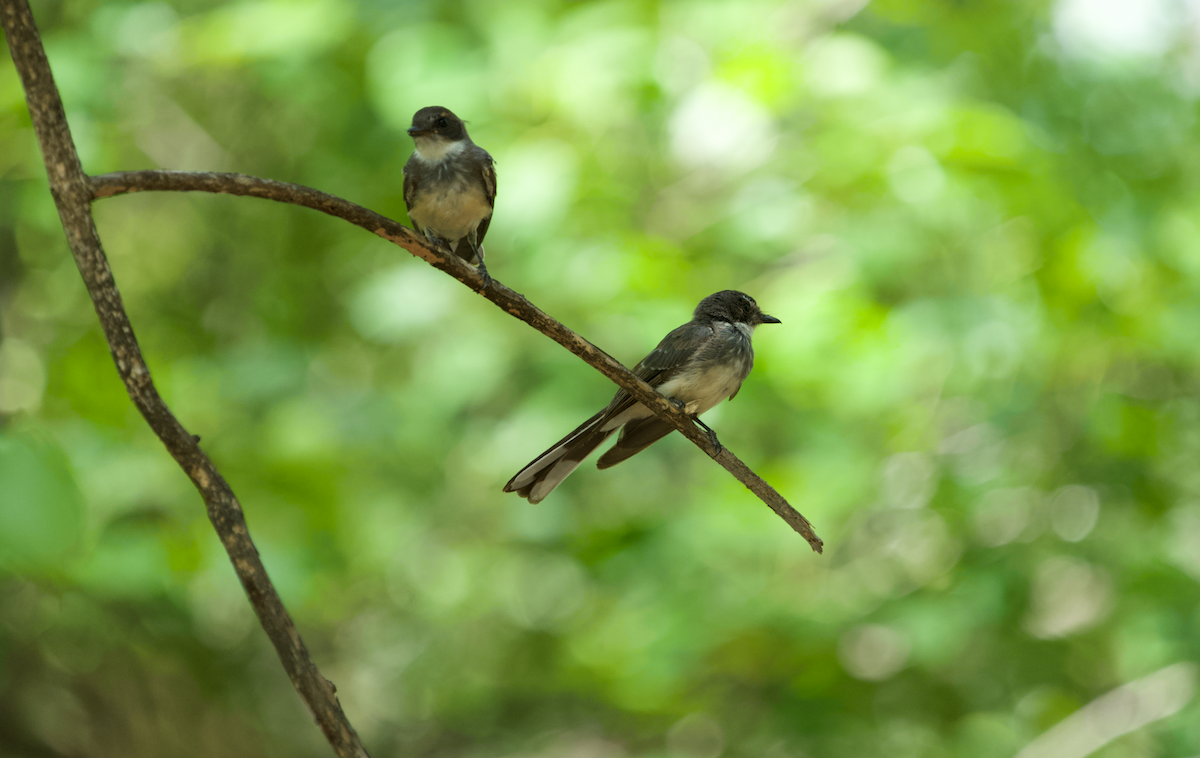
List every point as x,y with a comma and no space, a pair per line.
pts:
712,436
483,273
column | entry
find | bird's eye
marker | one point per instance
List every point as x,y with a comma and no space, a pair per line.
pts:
441,123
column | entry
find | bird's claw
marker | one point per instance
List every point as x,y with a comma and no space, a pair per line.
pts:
712,437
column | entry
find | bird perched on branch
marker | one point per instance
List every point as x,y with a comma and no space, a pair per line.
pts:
696,366
449,185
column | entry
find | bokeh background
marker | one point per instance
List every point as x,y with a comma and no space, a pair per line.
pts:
978,222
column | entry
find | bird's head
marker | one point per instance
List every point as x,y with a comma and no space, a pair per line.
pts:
437,123
734,307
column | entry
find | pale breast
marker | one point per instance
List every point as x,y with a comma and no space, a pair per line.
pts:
451,209
701,389
716,372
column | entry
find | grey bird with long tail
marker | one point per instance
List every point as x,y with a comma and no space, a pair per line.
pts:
695,366
449,184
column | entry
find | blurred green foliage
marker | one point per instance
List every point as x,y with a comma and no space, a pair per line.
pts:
977,221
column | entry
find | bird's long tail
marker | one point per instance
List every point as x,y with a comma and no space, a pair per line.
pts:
636,436
547,471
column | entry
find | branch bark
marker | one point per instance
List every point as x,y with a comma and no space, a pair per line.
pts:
513,303
72,193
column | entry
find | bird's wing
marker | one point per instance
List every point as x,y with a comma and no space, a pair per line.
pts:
664,361
410,182
671,355
489,190
673,352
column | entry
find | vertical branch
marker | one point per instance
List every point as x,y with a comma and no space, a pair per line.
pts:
72,193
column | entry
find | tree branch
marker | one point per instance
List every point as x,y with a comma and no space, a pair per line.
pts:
515,304
72,192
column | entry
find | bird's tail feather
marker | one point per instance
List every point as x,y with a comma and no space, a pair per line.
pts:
469,250
635,437
547,471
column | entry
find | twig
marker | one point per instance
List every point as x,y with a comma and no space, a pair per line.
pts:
72,192
515,304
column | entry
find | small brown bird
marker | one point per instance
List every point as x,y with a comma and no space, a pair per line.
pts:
449,185
695,366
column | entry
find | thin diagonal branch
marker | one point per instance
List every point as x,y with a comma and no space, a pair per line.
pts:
513,303
72,192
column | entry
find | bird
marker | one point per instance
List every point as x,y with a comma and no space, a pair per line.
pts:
449,185
696,366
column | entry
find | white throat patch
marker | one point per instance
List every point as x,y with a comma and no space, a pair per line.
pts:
744,328
436,149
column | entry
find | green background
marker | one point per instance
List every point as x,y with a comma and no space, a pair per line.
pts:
978,222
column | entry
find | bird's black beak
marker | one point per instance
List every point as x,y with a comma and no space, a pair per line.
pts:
414,131
769,319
